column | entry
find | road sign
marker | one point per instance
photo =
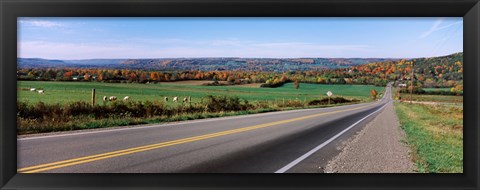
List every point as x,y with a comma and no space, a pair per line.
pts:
329,93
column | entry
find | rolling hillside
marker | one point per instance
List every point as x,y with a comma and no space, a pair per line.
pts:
204,64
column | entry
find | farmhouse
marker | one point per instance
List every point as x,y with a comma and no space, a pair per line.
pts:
77,77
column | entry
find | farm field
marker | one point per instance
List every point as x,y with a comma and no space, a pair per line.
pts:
440,90
449,99
436,89
64,92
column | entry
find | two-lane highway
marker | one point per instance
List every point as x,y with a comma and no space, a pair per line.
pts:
268,142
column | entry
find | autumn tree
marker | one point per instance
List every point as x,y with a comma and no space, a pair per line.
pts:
101,77
296,84
86,77
132,77
230,79
68,75
459,87
374,94
321,80
154,76
143,77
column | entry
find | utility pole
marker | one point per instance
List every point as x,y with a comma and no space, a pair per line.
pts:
411,89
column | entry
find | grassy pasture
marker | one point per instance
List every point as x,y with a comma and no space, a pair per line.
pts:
433,98
65,105
436,89
63,92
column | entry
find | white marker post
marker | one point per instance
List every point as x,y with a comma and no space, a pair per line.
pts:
329,94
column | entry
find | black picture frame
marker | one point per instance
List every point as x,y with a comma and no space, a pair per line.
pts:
11,9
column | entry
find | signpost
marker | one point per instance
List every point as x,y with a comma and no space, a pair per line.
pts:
329,94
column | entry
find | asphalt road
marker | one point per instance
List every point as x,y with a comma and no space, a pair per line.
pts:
261,143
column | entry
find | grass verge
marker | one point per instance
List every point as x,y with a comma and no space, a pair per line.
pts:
435,134
42,118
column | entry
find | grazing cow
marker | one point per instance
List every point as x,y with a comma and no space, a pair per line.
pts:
33,89
112,98
126,98
165,99
175,99
41,91
105,98
185,99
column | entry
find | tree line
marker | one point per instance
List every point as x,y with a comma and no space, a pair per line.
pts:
439,72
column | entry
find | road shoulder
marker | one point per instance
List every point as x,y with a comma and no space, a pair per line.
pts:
378,148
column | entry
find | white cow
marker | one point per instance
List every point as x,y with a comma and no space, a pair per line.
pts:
105,98
175,99
185,99
126,98
165,99
112,98
41,91
33,89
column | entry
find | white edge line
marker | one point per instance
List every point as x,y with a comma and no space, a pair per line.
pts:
182,122
301,158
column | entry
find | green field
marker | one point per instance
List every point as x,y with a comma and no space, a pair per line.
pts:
63,92
440,90
436,89
433,98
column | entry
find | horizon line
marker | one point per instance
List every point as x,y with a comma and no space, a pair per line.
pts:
243,58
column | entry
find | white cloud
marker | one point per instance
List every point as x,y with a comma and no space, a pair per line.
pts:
436,27
41,23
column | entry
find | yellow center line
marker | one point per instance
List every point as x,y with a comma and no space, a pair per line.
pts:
85,159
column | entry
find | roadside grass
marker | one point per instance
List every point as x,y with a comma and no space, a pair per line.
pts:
27,126
435,134
58,122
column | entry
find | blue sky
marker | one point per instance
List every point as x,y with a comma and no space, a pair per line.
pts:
89,38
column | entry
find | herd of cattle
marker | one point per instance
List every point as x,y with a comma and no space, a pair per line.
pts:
126,98
38,91
175,99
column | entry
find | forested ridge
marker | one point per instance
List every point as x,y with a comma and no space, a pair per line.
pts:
444,71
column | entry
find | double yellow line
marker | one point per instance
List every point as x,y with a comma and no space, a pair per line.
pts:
81,160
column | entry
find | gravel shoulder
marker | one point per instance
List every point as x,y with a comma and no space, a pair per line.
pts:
378,148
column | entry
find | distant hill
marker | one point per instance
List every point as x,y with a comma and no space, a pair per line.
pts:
204,64
424,66
443,71
49,63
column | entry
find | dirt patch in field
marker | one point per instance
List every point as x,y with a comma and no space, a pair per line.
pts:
417,102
